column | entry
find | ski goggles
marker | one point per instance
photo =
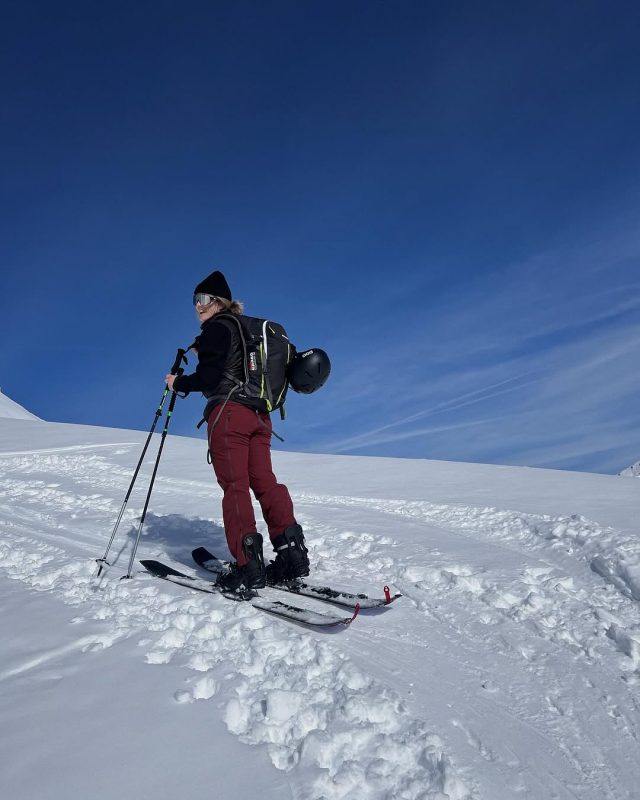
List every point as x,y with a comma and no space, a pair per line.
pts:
199,298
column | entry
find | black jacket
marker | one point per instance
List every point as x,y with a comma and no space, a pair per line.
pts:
219,351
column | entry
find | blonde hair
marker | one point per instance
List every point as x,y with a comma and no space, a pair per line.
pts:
231,306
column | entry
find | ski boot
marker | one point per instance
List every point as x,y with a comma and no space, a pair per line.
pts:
250,575
292,558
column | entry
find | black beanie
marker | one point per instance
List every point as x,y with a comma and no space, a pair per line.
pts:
215,284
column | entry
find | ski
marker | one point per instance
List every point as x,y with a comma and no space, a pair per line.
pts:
304,616
212,563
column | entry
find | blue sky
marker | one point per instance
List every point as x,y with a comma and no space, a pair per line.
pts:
442,195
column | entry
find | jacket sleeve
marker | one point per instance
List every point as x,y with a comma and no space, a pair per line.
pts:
213,347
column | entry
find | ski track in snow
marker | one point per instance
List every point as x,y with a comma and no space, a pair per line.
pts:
551,631
544,620
295,694
356,735
612,555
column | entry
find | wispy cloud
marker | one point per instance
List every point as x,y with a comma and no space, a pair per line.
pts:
381,435
537,364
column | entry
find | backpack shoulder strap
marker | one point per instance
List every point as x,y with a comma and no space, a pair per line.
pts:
233,318
265,363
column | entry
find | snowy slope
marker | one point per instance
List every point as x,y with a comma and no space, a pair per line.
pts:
509,669
9,409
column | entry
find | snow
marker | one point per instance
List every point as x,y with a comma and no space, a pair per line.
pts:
9,409
631,472
509,668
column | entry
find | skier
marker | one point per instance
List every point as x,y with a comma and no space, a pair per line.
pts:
240,446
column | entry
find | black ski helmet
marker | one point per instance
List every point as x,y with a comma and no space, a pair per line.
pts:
309,370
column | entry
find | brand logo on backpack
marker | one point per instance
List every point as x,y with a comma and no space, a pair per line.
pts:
252,359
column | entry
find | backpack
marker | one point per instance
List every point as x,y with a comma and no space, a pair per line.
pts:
267,354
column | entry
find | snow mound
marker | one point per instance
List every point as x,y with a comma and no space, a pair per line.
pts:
631,472
12,410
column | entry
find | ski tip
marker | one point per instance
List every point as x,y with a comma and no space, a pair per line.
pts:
356,611
201,555
388,597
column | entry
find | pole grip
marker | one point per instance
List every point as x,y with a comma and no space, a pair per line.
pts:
180,357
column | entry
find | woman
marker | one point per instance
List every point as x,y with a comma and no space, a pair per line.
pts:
240,447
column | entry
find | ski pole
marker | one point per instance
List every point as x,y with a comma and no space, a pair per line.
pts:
172,403
174,371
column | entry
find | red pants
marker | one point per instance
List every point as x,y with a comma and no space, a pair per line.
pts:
240,446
